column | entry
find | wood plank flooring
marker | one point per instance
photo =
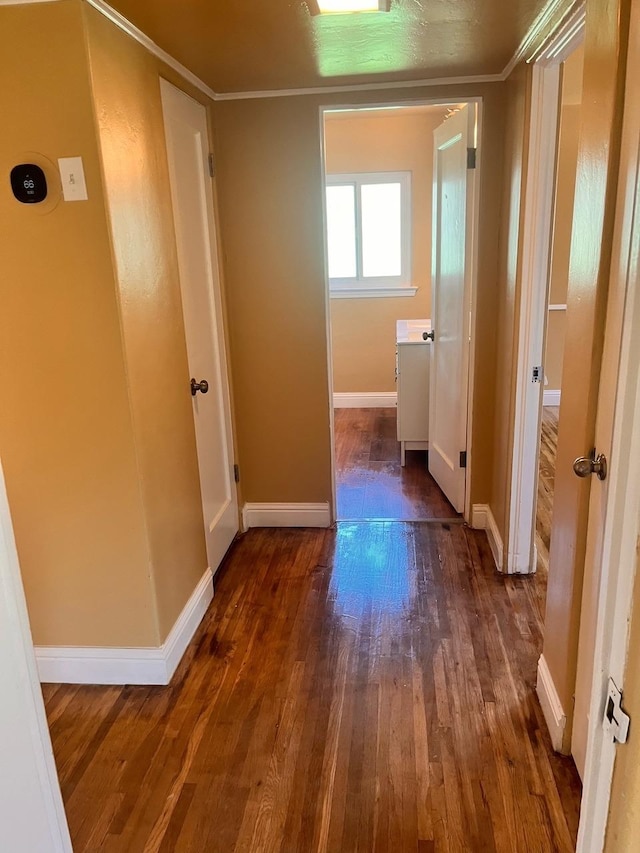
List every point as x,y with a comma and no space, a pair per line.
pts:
366,688
544,507
370,482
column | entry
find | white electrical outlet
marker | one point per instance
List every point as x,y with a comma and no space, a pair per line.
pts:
74,186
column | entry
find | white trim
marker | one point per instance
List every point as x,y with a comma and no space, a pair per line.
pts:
554,714
364,87
474,180
551,398
536,254
26,728
536,248
131,30
482,519
371,292
564,36
286,515
554,19
557,307
128,665
365,399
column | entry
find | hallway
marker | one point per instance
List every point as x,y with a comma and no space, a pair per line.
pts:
365,688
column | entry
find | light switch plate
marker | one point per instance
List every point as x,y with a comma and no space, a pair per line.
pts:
74,187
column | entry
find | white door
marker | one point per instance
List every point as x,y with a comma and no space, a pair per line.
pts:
32,816
191,193
453,187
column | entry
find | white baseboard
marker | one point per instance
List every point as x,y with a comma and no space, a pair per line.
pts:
551,398
554,715
123,665
362,400
482,519
286,515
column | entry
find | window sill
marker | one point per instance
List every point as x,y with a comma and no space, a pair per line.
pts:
371,292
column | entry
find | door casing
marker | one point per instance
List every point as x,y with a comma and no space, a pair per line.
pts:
478,102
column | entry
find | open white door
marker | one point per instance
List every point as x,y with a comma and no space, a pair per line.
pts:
451,287
32,816
193,212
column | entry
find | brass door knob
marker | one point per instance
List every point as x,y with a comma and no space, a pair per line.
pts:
584,466
202,387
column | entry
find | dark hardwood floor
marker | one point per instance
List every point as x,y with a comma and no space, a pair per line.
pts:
370,482
544,507
366,688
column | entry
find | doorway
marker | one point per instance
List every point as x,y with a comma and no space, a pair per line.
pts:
556,313
379,231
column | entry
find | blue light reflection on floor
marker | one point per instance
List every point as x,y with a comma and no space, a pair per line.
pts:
373,569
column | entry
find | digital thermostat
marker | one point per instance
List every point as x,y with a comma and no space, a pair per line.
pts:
28,183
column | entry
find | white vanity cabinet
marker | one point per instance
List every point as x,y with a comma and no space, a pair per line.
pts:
413,356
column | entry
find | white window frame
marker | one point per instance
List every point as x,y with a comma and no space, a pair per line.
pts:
359,286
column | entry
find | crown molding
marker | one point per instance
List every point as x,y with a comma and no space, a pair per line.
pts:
361,87
545,26
555,17
126,26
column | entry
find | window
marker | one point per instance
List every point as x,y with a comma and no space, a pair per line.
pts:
369,234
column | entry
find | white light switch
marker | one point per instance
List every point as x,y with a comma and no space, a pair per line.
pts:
74,187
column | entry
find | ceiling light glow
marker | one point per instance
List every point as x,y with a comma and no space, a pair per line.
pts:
333,7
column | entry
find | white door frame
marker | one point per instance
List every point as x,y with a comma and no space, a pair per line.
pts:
618,559
536,262
36,809
477,100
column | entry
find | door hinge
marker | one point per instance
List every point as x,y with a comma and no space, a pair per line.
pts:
463,458
236,473
536,374
212,166
615,722
472,156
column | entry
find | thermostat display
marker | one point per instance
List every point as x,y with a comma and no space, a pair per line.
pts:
28,183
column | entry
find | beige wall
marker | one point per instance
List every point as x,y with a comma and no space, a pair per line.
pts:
364,330
66,436
604,62
624,814
270,193
502,324
126,89
563,217
99,447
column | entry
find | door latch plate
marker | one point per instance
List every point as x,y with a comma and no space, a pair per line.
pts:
615,722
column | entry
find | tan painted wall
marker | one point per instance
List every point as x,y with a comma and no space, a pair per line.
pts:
563,217
100,455
624,814
604,65
66,437
364,330
503,322
270,192
125,80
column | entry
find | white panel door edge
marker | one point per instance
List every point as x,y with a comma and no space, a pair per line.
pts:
31,811
452,269
194,218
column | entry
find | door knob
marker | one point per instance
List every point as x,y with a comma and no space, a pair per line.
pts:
584,466
203,387
429,336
